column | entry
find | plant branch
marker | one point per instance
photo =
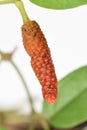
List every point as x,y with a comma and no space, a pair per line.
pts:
39,117
8,57
5,56
7,1
25,85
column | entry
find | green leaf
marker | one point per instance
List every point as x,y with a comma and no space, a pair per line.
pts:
70,108
59,4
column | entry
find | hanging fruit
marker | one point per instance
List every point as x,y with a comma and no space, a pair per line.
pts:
36,46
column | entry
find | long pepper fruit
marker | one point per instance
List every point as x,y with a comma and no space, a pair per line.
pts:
36,46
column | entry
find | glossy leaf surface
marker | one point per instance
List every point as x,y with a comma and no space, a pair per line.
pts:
71,107
59,4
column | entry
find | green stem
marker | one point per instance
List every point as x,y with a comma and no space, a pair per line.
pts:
42,121
7,1
20,6
25,85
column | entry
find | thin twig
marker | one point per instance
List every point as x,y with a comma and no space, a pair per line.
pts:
25,85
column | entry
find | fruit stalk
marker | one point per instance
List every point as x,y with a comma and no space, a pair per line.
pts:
20,6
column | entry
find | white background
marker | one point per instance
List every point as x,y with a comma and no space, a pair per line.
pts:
66,33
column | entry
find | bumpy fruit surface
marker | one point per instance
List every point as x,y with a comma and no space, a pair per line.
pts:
41,61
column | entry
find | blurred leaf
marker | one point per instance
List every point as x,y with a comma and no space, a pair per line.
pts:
59,4
17,118
71,107
2,128
9,112
12,115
